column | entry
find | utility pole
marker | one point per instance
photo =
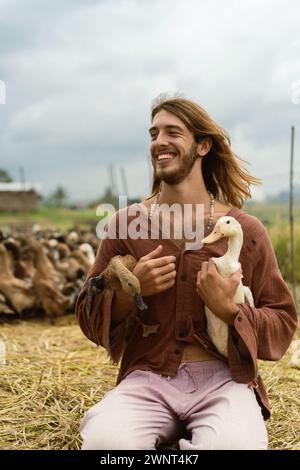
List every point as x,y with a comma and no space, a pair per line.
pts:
291,216
124,182
112,180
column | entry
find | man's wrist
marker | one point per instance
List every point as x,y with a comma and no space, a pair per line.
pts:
231,312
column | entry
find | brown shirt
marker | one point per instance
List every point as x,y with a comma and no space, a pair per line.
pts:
261,332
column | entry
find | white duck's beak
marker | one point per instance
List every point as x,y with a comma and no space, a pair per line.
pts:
214,236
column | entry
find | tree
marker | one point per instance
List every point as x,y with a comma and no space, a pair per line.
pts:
5,177
59,197
107,198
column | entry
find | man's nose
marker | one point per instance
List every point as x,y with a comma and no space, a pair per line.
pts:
161,139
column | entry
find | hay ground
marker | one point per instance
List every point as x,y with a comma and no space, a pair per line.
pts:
53,374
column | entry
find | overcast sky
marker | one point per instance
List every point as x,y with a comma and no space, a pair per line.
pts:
80,77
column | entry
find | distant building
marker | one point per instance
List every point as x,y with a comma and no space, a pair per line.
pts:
18,197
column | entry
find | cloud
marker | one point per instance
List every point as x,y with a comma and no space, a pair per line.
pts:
81,76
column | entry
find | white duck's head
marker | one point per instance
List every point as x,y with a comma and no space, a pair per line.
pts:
226,226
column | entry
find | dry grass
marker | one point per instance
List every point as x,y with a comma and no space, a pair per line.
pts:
283,386
53,374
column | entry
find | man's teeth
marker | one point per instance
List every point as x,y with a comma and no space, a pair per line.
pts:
165,156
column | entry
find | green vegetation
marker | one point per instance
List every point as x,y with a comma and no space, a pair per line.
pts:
280,237
61,218
275,216
272,214
58,198
5,176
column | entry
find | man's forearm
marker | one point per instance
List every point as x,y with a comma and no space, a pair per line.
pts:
122,304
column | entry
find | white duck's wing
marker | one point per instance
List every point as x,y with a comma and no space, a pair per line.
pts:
248,296
217,330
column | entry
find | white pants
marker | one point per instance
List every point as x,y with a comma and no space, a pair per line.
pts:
147,409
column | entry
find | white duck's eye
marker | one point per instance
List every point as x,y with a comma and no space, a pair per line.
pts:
228,222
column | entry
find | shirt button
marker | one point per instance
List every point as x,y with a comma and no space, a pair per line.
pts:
183,277
239,318
182,333
177,351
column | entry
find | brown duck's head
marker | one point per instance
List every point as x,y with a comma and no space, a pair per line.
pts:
131,285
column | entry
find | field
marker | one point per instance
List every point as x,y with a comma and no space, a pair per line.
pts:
63,218
51,217
53,373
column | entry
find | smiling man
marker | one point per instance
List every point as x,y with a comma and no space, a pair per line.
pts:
173,383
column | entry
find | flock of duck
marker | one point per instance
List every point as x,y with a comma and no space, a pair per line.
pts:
42,271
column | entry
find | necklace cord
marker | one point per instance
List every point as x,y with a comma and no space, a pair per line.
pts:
211,215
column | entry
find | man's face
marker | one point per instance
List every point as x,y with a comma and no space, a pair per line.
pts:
173,148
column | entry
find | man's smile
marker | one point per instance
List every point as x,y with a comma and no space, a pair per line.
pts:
165,157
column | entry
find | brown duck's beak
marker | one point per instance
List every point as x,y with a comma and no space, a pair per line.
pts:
212,237
140,302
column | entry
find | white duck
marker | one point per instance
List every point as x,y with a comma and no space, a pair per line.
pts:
226,265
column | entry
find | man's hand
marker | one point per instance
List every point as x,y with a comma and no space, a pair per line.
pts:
217,292
155,274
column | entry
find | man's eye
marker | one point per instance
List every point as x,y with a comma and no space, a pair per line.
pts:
153,136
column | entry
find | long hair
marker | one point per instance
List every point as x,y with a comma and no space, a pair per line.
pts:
223,173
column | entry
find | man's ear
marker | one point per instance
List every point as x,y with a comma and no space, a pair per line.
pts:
204,146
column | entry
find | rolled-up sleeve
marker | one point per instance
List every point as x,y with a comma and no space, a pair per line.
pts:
266,330
97,325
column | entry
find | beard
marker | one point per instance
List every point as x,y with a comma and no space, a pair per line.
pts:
186,164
